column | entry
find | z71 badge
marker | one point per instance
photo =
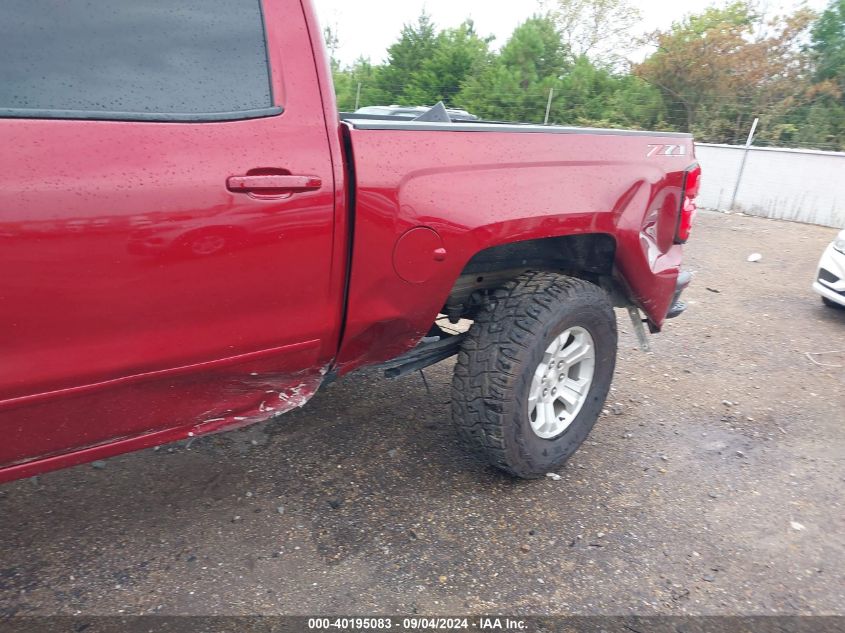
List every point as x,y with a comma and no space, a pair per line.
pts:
666,150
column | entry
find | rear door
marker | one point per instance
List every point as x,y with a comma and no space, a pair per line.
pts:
166,210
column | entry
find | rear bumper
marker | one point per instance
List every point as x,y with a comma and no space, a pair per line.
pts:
677,306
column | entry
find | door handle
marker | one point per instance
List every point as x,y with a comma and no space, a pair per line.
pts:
273,184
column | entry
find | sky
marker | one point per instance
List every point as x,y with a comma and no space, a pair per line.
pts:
368,27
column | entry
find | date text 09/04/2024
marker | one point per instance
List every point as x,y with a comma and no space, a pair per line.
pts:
416,624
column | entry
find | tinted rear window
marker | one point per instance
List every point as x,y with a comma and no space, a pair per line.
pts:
119,58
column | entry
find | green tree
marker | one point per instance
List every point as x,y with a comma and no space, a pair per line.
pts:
636,104
695,59
595,96
814,114
828,45
710,73
405,58
457,54
514,86
347,81
818,125
720,68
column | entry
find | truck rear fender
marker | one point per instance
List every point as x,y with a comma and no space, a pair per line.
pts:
434,207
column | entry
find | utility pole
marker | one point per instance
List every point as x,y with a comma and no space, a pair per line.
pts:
744,158
548,106
358,95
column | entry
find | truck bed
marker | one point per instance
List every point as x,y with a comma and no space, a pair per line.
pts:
476,185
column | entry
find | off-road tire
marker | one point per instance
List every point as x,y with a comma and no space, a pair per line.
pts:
499,356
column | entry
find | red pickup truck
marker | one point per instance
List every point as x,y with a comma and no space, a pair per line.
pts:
193,239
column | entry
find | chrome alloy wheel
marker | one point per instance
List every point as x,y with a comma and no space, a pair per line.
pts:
561,382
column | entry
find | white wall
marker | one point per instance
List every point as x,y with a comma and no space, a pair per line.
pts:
788,184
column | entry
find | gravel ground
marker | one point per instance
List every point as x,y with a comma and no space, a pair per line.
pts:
712,485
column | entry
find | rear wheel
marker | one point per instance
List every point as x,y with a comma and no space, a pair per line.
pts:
534,372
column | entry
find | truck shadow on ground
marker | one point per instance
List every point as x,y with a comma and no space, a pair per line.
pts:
368,466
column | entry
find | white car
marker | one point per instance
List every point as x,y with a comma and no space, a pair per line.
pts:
830,277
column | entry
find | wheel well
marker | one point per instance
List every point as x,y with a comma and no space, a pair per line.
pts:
588,256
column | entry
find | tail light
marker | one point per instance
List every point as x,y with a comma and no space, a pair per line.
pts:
692,183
